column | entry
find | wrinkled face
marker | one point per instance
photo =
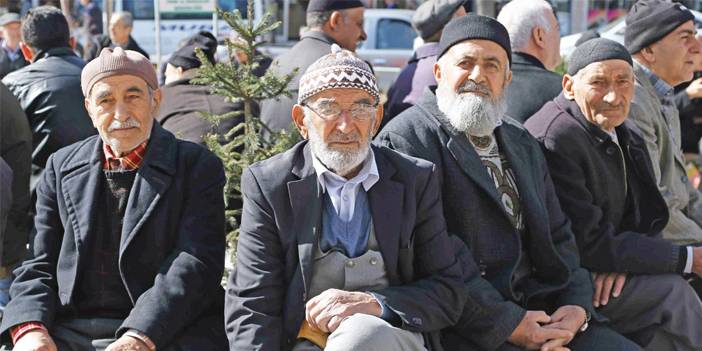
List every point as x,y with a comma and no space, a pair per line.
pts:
12,33
553,42
123,111
603,91
119,32
675,54
352,29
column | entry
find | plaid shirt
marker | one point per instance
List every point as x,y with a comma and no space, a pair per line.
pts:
128,162
663,89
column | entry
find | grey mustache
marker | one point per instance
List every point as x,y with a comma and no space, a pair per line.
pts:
129,123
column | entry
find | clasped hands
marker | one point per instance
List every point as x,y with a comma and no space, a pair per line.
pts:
539,331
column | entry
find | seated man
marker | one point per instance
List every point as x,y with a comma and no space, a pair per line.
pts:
498,197
129,248
342,244
605,182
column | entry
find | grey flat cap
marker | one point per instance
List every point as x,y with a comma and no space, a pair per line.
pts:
9,18
431,16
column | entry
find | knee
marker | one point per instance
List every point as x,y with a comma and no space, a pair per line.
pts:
360,332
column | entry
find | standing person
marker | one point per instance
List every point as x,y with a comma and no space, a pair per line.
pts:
92,18
428,21
121,25
11,58
499,199
535,37
48,88
329,22
660,35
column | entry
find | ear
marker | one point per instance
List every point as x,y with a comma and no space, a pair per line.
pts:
648,54
378,119
72,42
88,107
539,36
567,84
335,20
157,101
298,117
26,51
509,75
437,71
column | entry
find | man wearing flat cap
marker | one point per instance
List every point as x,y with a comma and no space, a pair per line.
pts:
129,248
660,36
605,183
343,245
428,21
498,197
328,22
11,58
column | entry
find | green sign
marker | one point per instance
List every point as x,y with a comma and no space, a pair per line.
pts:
187,6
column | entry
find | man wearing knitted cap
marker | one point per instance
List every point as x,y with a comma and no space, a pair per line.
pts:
499,199
129,245
342,244
328,22
660,35
605,184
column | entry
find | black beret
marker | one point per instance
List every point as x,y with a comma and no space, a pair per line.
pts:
331,5
590,34
474,26
650,20
185,56
597,50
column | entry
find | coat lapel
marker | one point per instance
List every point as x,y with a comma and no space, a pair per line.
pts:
305,200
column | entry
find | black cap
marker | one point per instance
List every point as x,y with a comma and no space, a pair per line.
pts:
474,26
597,50
649,21
185,56
331,5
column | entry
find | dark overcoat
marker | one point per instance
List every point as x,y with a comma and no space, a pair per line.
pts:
532,86
282,207
474,213
171,255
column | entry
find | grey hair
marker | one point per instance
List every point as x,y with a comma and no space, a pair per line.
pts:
125,17
317,19
520,17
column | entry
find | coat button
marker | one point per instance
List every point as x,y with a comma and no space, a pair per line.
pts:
610,150
373,261
683,179
350,264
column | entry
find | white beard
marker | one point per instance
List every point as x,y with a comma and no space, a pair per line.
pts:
468,112
340,162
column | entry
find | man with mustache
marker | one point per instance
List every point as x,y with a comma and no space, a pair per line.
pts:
660,36
343,245
605,184
499,199
129,246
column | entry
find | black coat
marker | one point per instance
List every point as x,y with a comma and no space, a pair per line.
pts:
532,86
16,150
609,193
7,66
474,212
171,255
50,95
99,42
282,207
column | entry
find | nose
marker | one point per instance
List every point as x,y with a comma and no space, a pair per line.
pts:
364,36
611,97
344,123
476,74
121,113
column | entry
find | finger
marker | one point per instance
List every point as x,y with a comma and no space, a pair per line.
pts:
607,288
619,285
322,321
334,323
553,344
559,315
545,334
541,317
598,289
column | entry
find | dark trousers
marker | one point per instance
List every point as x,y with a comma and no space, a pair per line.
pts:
596,337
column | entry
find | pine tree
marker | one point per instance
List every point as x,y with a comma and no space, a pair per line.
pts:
243,144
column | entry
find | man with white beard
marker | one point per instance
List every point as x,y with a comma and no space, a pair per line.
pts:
499,199
342,245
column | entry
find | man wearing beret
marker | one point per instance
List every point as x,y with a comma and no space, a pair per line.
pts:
605,183
499,199
129,248
660,36
328,22
428,21
343,245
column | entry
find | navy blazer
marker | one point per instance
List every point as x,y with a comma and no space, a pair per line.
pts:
474,212
171,255
266,295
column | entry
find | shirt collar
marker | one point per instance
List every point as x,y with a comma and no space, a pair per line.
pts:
663,89
368,175
129,162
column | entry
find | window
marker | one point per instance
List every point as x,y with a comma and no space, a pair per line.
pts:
395,34
144,9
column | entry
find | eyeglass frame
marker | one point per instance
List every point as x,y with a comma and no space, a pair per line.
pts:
337,116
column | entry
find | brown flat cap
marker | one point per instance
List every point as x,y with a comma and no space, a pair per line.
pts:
114,62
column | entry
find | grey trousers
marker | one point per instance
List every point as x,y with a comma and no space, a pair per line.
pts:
362,332
659,312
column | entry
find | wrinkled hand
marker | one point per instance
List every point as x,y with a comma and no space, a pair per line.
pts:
328,309
35,340
694,90
569,318
606,285
531,334
127,343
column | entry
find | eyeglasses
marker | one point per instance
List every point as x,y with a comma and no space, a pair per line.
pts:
331,111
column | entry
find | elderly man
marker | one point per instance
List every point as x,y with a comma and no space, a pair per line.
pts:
535,38
328,22
660,35
498,197
129,249
121,25
11,58
341,242
604,181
